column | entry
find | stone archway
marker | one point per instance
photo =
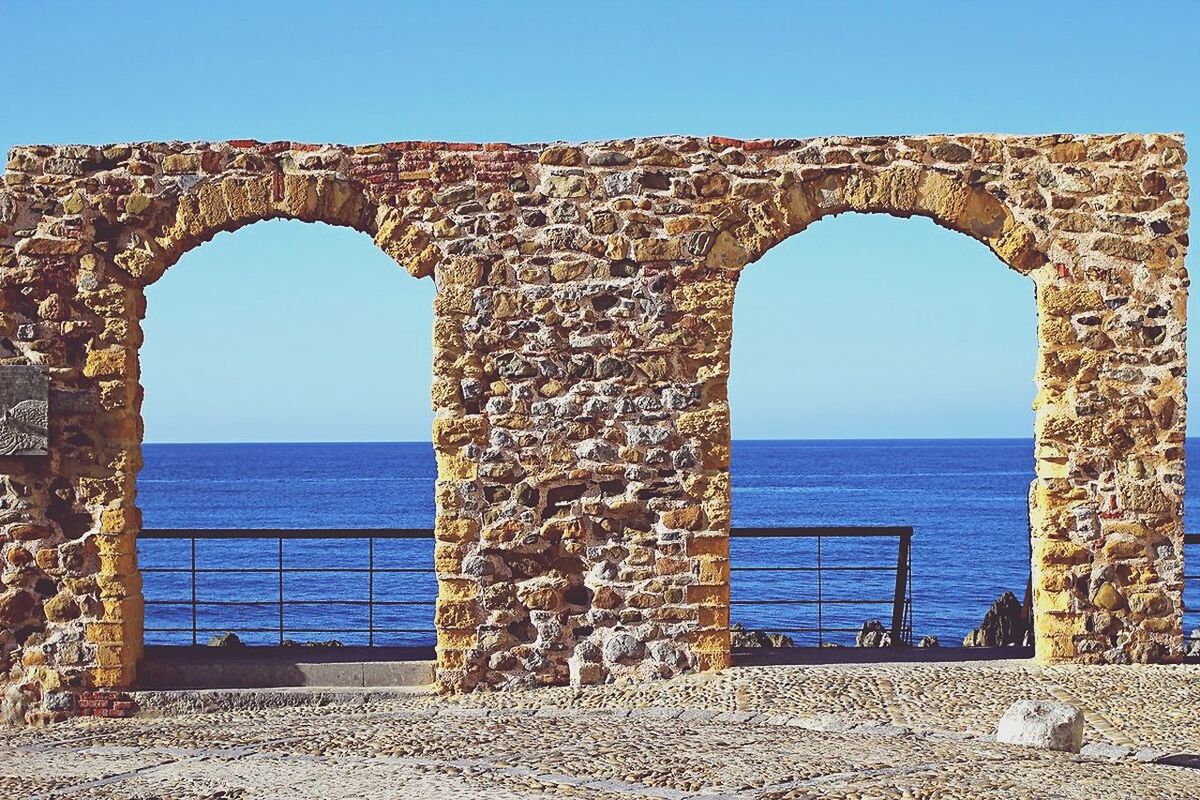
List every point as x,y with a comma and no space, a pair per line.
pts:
135,240
1079,593
581,351
222,205
881,326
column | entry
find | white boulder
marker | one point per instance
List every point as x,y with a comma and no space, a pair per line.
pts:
1047,724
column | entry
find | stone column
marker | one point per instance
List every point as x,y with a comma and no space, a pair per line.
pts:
1107,508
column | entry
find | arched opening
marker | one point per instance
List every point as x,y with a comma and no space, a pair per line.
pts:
881,375
286,375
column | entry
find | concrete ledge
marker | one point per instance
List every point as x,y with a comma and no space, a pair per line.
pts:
827,656
190,701
274,667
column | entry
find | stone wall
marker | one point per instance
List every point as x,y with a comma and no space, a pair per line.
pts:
583,320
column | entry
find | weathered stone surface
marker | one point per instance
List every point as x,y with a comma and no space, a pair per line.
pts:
1042,723
582,329
24,411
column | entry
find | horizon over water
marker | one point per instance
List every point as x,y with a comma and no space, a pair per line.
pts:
965,498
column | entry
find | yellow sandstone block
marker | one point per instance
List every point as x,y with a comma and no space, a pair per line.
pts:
710,424
452,614
115,546
1120,547
448,558
451,659
108,362
687,518
713,661
457,639
1046,602
214,209
713,617
105,632
112,677
727,252
122,609
458,431
120,520
300,196
714,570
455,467
709,545
1053,649
451,529
113,655
711,641
1059,551
713,594
458,589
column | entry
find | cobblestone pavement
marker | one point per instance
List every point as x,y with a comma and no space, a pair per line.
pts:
768,733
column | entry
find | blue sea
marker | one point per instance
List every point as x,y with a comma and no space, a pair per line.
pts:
965,498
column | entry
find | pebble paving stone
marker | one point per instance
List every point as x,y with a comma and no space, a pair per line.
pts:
774,733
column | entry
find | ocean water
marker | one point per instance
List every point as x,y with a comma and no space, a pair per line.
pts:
965,498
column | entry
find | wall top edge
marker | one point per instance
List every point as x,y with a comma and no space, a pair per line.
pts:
713,140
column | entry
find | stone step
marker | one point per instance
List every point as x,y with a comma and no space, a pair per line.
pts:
273,667
169,702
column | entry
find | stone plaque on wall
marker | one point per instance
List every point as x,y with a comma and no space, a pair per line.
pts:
24,411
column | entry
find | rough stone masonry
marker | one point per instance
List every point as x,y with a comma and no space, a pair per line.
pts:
581,353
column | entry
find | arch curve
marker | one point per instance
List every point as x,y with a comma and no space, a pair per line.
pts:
799,198
228,203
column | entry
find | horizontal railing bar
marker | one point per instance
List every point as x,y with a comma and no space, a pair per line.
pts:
1191,538
831,532
777,602
286,570
814,569
239,629
427,533
290,602
290,533
804,630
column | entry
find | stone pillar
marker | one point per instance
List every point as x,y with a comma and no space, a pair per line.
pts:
106,473
1107,507
459,437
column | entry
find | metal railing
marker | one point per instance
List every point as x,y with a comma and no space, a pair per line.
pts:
281,569
898,605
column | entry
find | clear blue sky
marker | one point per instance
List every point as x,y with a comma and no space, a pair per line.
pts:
840,332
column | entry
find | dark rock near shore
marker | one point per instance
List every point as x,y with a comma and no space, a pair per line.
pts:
929,641
1005,624
873,634
741,637
225,640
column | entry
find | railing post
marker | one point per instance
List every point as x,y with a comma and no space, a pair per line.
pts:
820,597
280,591
194,637
371,592
902,560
